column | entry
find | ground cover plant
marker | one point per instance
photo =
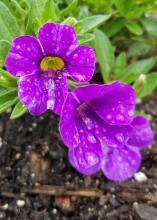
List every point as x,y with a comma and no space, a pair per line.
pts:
75,70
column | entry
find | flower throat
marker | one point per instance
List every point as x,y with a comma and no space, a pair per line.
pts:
51,64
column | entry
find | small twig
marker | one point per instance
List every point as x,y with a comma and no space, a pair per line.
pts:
54,191
62,191
8,194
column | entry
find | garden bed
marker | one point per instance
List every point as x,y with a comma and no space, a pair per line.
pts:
34,162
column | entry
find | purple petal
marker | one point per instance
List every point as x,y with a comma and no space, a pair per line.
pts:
30,92
39,93
24,56
85,161
142,134
86,157
121,163
57,39
81,64
75,115
67,125
114,103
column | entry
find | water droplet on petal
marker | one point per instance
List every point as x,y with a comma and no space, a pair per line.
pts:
130,113
120,137
120,117
92,158
109,116
91,139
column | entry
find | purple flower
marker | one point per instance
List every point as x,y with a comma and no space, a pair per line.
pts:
99,127
43,64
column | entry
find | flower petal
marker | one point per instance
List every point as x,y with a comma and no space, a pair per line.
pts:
67,124
39,92
114,103
75,115
30,92
24,56
57,39
121,163
84,160
142,134
81,64
86,156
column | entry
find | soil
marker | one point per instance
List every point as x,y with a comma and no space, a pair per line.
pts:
37,182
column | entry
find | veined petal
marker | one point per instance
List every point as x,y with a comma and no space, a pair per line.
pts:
79,120
84,160
24,56
81,63
142,135
86,156
114,103
31,94
41,92
57,39
121,163
67,124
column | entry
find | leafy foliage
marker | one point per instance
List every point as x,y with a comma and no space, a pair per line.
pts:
123,36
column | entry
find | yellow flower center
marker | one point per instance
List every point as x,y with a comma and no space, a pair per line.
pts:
51,64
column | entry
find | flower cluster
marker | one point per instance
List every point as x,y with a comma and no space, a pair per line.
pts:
97,122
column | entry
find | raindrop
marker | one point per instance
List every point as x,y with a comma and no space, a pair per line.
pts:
91,139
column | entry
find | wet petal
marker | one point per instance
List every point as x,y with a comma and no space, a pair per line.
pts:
77,120
86,156
81,64
30,92
121,163
117,105
24,56
142,135
84,161
57,39
114,103
39,92
67,124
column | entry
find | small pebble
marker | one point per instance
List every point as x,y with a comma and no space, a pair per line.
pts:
17,156
140,177
20,203
5,206
2,215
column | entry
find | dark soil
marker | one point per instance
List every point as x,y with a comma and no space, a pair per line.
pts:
32,155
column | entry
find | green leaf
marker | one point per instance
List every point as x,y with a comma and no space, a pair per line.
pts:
7,99
105,54
120,64
123,6
150,25
71,7
4,48
134,28
4,75
8,25
33,20
132,71
84,38
70,21
73,84
136,13
149,84
87,24
139,48
49,12
114,26
18,110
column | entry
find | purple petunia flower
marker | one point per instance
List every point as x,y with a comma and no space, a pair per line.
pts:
99,127
43,64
